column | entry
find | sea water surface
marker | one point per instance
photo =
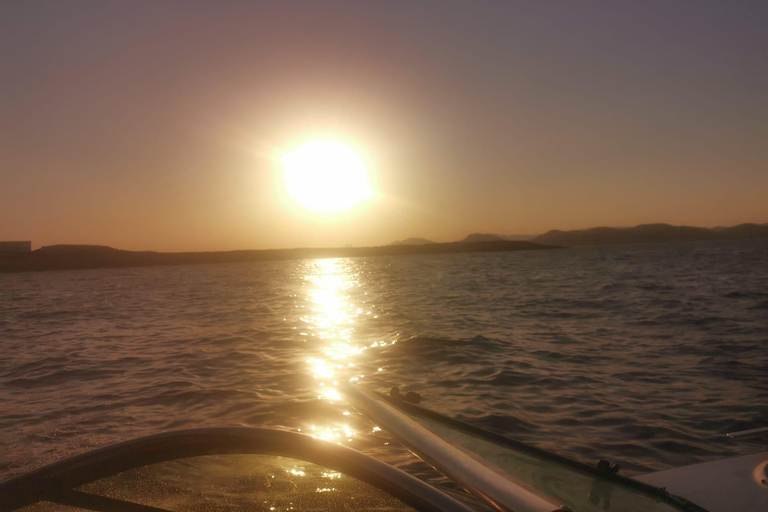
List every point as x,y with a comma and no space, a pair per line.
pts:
643,355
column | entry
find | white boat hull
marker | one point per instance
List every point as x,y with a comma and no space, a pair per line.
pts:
737,484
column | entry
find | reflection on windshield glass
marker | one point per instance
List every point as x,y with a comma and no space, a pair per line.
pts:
243,482
580,491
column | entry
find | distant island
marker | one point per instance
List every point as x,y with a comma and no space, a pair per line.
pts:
71,257
471,239
492,237
642,234
650,233
412,241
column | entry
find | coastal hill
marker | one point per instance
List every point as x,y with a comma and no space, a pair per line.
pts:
482,237
650,233
412,241
491,237
471,239
69,257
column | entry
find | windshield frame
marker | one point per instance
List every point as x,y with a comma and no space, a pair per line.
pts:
57,482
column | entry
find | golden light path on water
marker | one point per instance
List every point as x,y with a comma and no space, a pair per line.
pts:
333,315
336,306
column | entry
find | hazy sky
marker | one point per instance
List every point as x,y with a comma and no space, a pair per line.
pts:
157,125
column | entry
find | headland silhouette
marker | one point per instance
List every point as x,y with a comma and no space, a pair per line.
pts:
71,257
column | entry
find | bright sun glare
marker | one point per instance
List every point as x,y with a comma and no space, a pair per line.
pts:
326,176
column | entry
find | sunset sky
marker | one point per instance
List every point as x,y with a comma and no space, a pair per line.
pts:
165,125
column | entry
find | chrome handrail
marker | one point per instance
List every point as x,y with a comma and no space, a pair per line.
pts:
499,490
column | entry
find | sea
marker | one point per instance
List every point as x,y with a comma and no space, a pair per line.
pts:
644,355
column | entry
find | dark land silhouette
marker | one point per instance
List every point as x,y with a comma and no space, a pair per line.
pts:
412,241
492,237
642,234
70,257
482,237
650,233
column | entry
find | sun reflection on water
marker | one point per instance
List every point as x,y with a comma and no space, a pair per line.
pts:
336,325
332,317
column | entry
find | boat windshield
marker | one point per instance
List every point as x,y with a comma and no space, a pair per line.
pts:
254,483
222,468
567,482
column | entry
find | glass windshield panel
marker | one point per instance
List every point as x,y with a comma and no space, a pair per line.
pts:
581,491
45,506
233,483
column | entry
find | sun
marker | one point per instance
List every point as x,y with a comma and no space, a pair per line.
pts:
326,176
